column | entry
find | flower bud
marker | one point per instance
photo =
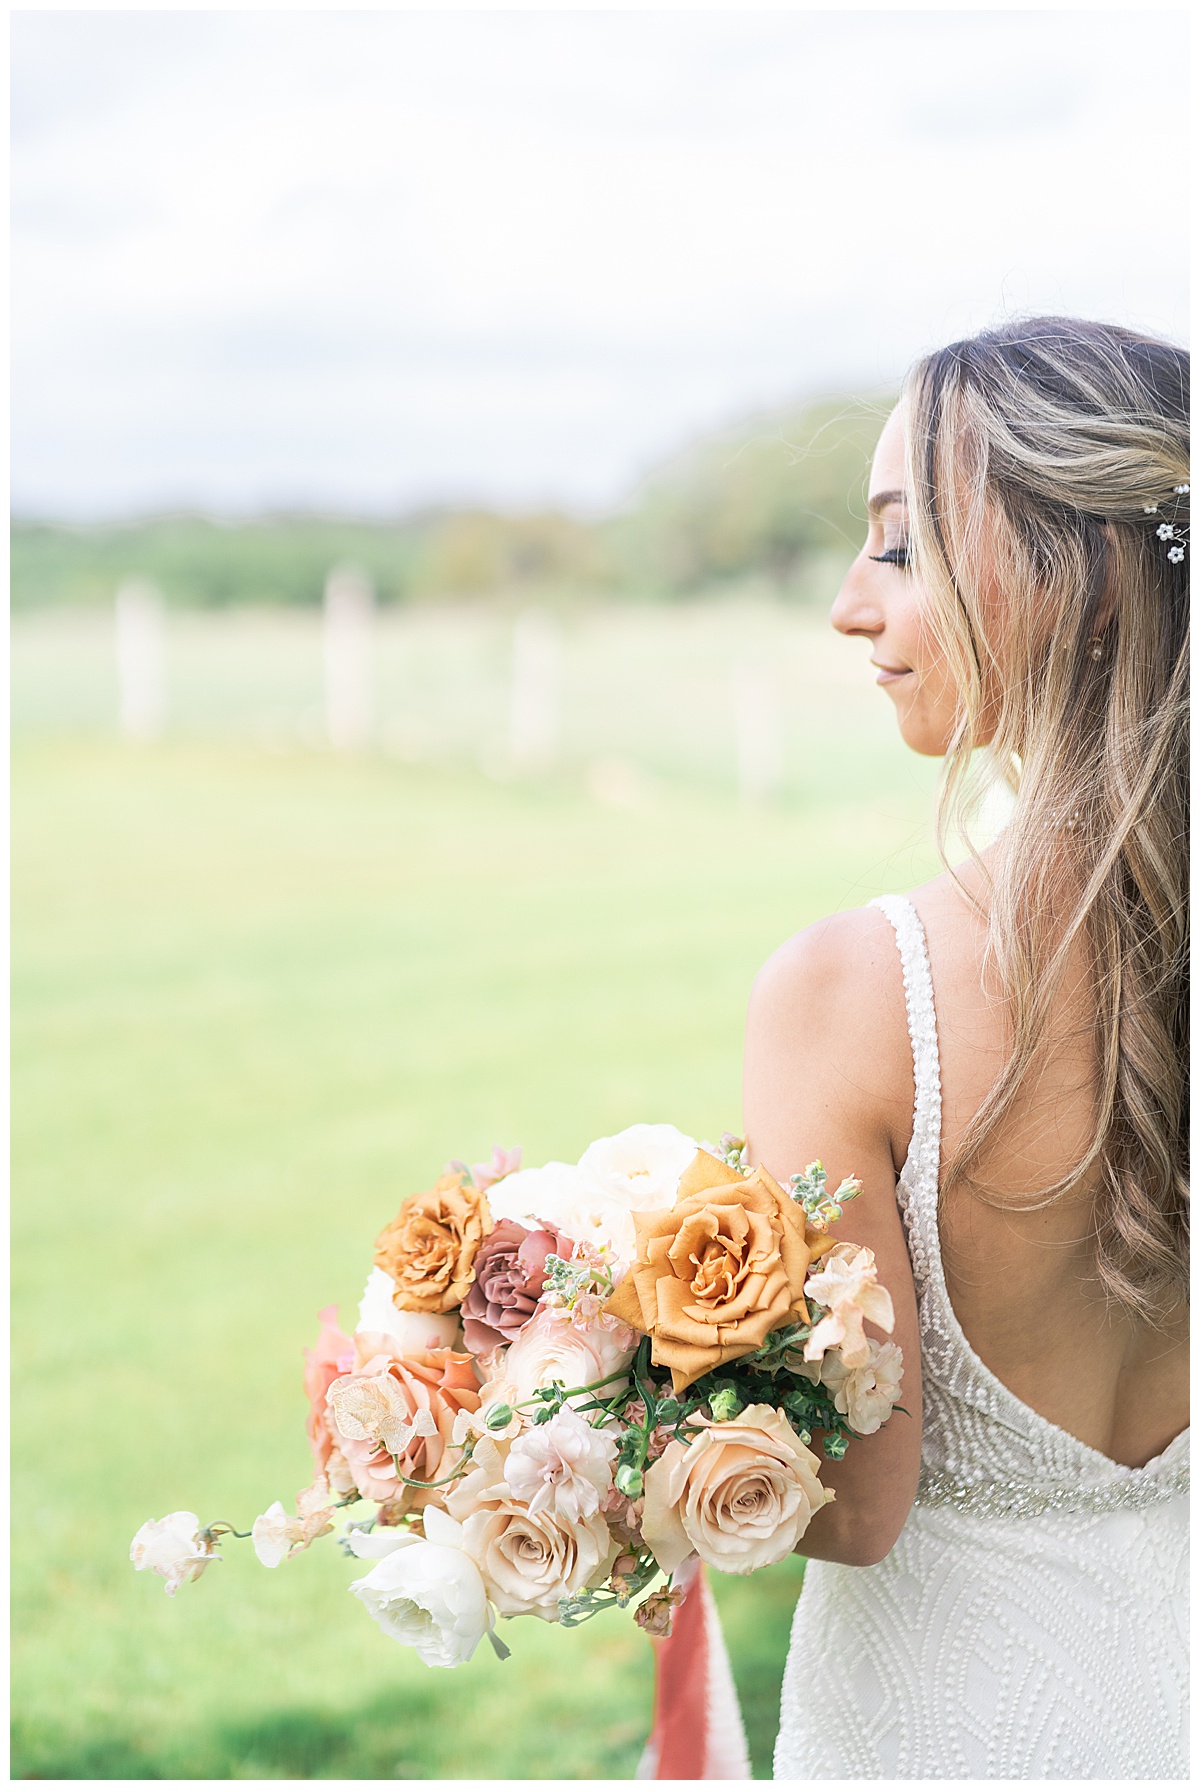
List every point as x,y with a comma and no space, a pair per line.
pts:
499,1417
724,1404
629,1481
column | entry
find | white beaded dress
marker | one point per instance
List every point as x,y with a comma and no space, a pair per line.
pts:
1031,1620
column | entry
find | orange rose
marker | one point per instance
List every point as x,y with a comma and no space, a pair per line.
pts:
429,1248
720,1270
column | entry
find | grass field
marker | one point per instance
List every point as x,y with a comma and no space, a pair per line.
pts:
259,996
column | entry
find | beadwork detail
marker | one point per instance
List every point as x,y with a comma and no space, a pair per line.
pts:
1054,1647
1018,1498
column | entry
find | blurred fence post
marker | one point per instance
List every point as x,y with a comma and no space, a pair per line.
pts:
141,660
536,685
759,729
349,611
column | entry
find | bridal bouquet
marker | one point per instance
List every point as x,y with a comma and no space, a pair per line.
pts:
567,1382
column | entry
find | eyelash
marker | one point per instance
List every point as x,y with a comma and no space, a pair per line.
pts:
895,556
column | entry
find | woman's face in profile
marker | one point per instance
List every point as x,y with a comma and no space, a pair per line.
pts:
882,600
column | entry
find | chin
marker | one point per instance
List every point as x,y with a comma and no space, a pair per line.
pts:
923,738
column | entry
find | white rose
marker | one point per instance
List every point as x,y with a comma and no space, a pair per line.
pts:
640,1167
575,1203
564,1466
411,1331
865,1395
591,1217
551,1347
172,1547
534,1193
426,1594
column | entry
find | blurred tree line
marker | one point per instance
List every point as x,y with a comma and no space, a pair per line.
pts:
773,497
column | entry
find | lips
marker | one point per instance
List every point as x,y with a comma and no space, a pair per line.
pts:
891,674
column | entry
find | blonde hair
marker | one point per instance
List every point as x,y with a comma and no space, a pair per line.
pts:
1034,453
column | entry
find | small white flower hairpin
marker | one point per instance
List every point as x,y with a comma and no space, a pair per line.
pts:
1175,533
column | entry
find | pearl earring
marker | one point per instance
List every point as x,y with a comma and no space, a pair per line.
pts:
1097,648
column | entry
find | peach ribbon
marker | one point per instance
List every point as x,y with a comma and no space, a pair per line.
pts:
697,1730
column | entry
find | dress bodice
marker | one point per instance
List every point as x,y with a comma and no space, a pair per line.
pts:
983,1449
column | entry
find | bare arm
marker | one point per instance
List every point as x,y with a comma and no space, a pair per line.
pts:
828,1073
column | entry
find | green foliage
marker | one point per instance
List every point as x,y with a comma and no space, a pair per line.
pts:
776,496
781,496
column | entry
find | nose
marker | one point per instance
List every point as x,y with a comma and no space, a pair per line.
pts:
856,610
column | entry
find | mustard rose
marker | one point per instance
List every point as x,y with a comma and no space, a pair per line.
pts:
740,1494
718,1271
430,1246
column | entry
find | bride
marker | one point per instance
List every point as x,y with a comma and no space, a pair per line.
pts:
999,1589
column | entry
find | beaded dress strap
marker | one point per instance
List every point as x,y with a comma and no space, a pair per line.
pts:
920,1174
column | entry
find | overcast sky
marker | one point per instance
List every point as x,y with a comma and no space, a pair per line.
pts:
371,260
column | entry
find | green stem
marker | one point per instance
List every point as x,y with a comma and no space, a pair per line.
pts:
574,1391
429,1485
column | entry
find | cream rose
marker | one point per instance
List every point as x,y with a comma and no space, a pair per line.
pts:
740,1494
535,1194
528,1559
562,1196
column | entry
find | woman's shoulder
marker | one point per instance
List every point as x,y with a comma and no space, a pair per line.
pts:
837,957
828,1009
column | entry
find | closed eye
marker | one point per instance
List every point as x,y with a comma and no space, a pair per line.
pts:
894,556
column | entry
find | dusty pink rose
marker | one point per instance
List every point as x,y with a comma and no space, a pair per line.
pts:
396,1418
333,1355
510,1272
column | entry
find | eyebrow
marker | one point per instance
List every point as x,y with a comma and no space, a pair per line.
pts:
881,500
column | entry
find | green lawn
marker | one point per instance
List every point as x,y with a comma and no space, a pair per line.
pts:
258,999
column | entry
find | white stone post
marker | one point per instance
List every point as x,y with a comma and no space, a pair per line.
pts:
141,660
536,691
349,692
758,725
